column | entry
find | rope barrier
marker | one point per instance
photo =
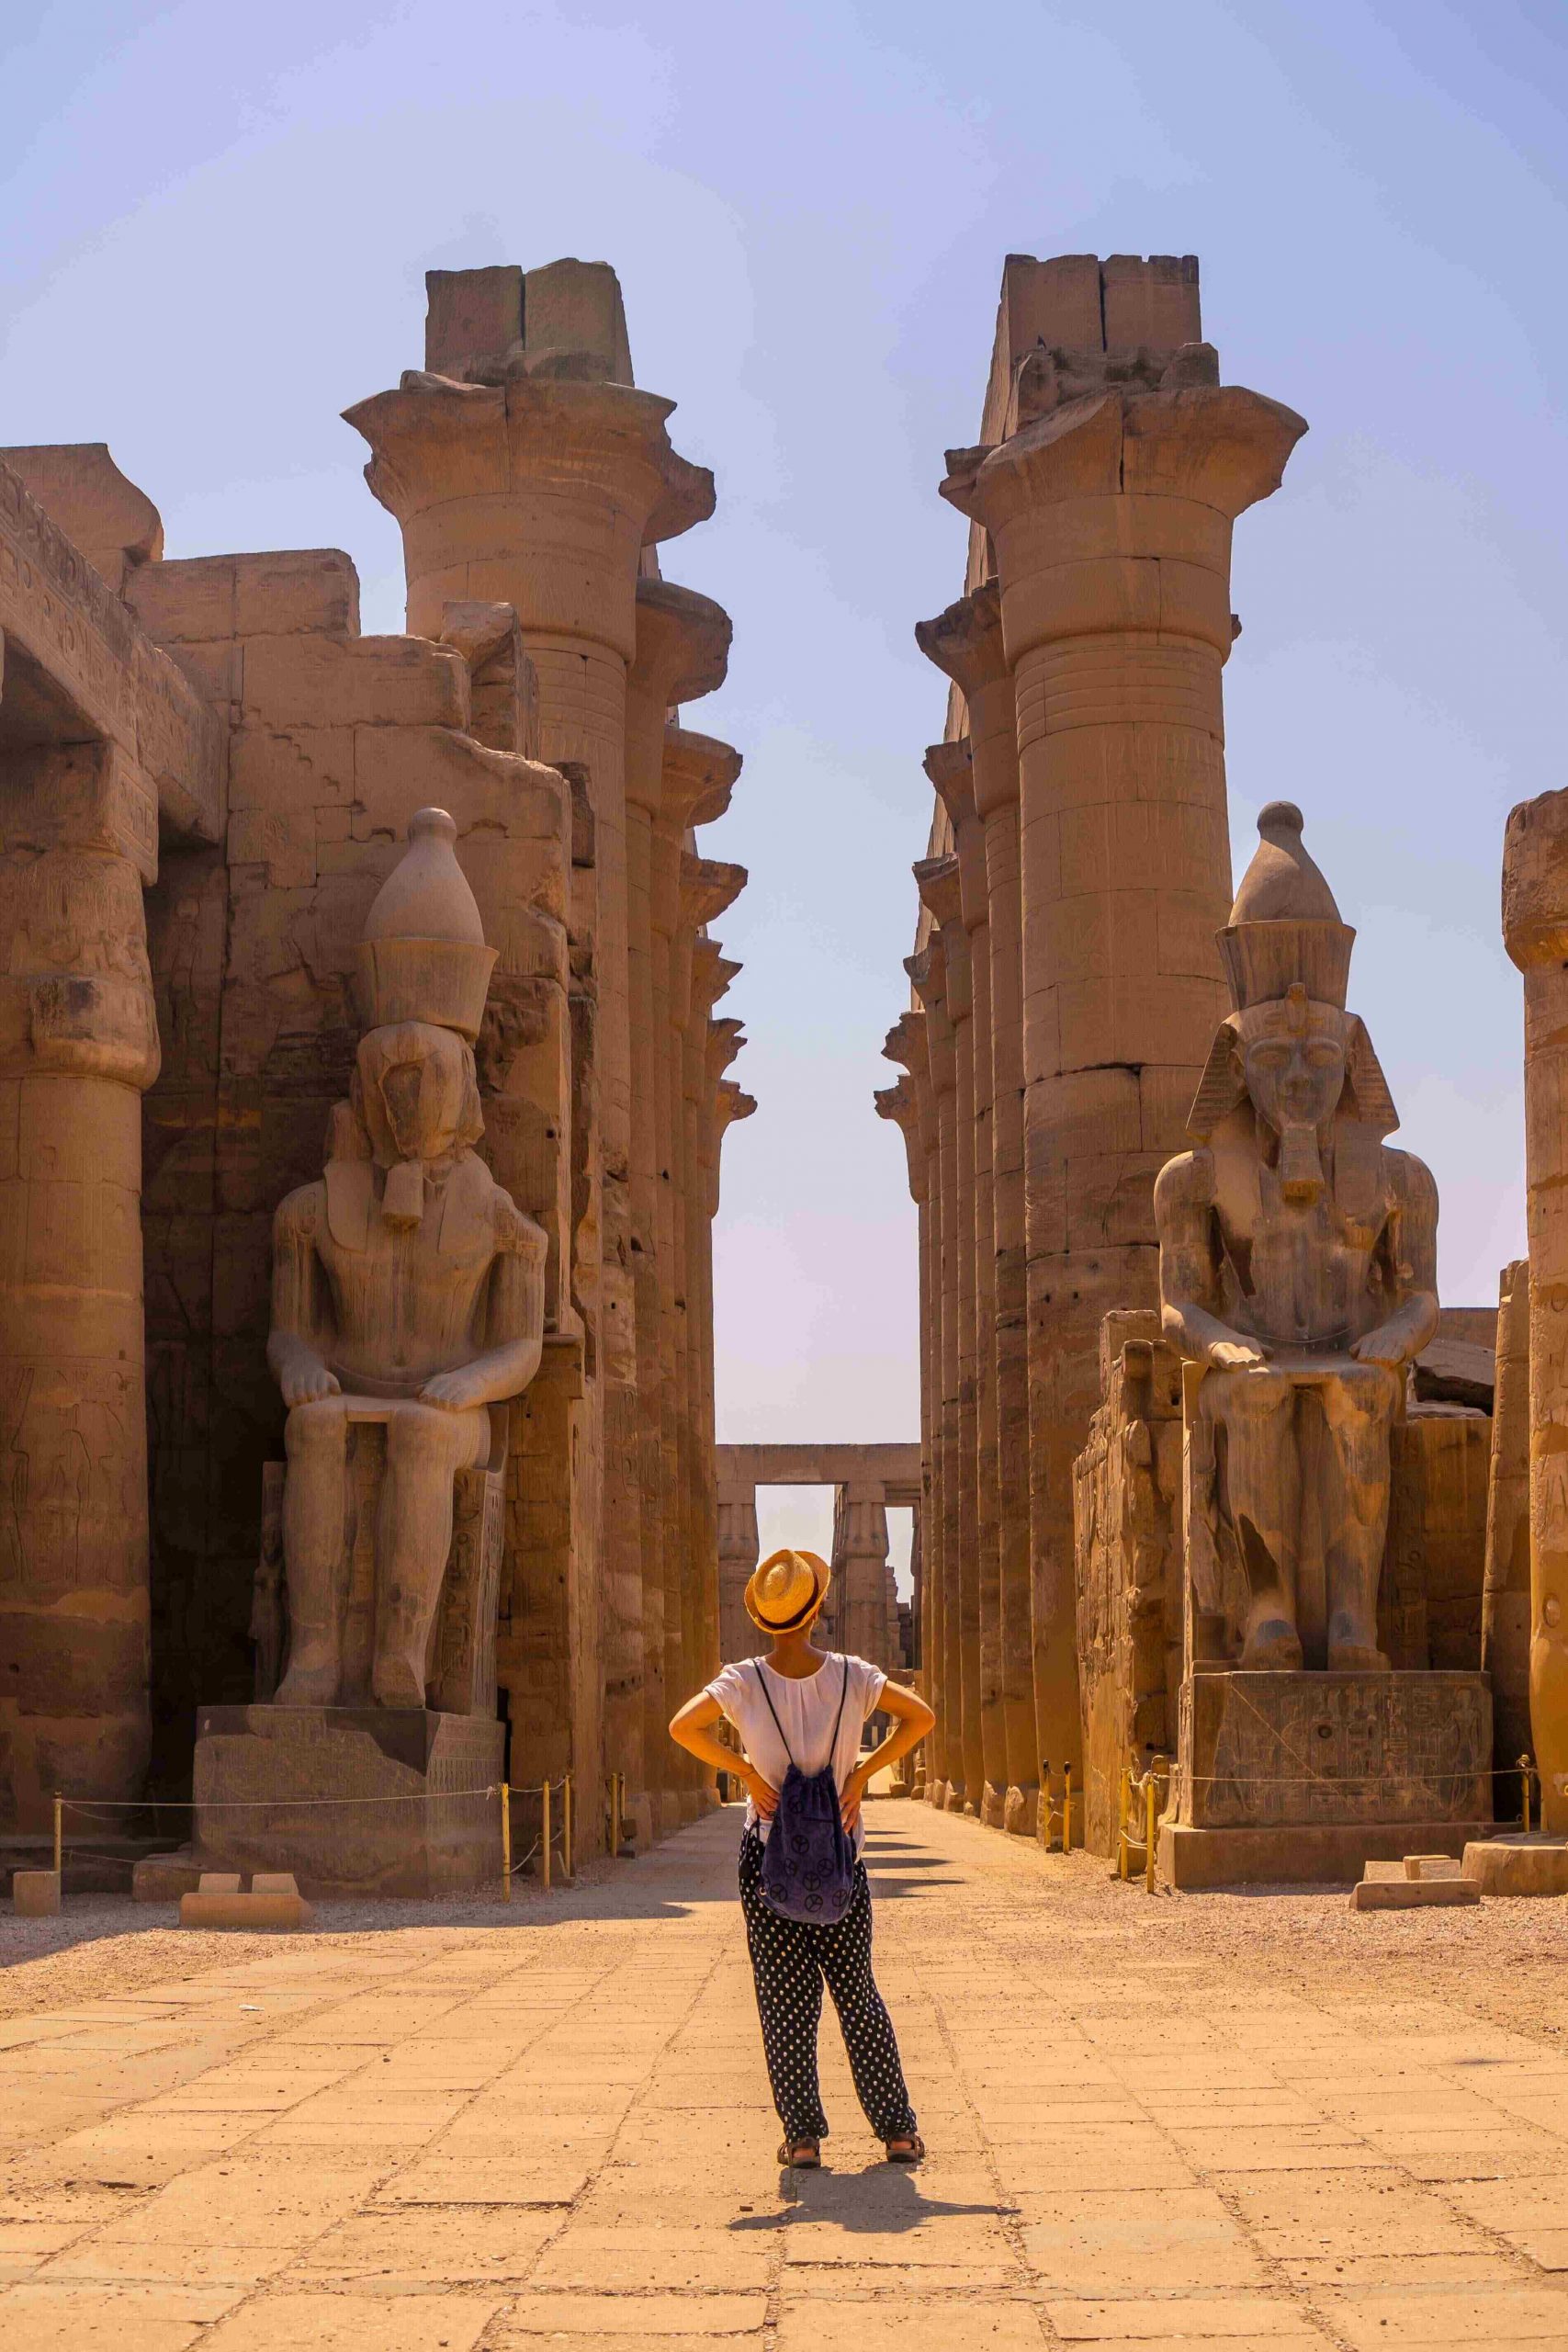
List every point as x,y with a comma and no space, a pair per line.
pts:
1347,1780
1061,1815
544,1846
232,1804
1126,1842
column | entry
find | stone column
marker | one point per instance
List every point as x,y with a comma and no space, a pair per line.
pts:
860,1560
712,973
908,1104
948,766
929,974
696,776
1535,930
541,490
1505,1593
682,644
1110,516
78,1046
966,641
938,882
738,1555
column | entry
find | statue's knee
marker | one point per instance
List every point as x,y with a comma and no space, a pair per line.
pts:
314,1429
1251,1396
415,1434
1365,1393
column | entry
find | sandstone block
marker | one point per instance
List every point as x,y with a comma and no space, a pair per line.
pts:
473,314
35,1894
1427,1867
1412,1894
297,590
438,1835
328,682
253,1911
164,1878
190,600
219,1883
1518,1864
1152,302
572,309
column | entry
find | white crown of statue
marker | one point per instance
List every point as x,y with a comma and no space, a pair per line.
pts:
1285,927
424,957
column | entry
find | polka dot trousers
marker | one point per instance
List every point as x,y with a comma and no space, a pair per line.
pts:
790,1958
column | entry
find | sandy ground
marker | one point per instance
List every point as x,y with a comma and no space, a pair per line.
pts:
1193,2120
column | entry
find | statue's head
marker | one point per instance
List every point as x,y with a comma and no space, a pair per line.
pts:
1294,1059
415,1092
1288,1047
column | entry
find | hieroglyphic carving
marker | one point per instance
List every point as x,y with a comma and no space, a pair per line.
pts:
1274,1748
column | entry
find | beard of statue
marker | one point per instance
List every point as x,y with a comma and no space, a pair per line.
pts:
1294,1063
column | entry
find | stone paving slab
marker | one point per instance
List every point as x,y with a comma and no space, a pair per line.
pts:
1188,2120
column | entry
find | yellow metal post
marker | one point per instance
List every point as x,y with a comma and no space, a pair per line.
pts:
1524,1782
505,1843
1150,1801
615,1814
1067,1811
1122,1810
60,1836
544,1835
566,1827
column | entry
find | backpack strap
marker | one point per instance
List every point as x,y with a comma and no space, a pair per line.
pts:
844,1695
763,1686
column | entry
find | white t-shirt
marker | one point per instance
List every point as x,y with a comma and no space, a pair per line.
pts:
806,1711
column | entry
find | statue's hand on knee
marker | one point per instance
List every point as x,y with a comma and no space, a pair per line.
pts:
302,1376
1236,1353
456,1392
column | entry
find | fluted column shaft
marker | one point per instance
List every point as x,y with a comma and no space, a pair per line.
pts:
1506,1594
681,651
1535,929
948,765
78,1046
1111,518
966,641
931,980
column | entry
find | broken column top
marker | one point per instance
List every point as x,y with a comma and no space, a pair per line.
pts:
566,319
1076,303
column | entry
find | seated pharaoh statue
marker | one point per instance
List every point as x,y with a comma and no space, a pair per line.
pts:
1297,1279
408,1289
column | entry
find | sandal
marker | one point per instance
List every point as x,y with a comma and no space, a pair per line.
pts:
800,2156
907,2149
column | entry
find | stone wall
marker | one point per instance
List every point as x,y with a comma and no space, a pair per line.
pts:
279,754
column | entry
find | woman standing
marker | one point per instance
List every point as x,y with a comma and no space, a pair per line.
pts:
804,1706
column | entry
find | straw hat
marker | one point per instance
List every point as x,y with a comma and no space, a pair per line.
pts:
787,1589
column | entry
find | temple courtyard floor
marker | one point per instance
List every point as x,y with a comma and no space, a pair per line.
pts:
1204,2119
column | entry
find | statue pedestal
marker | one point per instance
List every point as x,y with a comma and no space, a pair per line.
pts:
1286,1778
352,1800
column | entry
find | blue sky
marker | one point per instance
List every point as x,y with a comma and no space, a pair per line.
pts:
218,222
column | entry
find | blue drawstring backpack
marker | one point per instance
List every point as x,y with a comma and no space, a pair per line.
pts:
808,1864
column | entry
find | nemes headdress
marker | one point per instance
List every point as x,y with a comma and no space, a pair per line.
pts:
424,957
1285,941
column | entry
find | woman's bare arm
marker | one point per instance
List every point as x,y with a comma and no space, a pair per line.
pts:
912,1720
691,1728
